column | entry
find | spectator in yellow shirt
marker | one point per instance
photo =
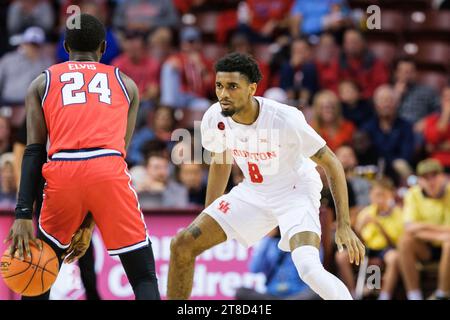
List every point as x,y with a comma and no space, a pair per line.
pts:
427,229
380,225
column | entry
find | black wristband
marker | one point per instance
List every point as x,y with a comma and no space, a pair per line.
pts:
24,213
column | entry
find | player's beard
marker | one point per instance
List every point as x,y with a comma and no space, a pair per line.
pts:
228,113
231,111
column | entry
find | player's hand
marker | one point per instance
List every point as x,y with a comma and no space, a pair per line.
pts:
20,234
346,237
81,241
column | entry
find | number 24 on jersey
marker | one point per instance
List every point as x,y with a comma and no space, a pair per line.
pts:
74,81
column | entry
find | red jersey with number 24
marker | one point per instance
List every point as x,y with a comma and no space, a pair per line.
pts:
85,106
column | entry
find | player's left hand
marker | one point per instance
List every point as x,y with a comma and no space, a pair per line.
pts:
81,241
20,234
346,237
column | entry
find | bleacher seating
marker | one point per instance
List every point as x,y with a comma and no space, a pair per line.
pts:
432,55
428,24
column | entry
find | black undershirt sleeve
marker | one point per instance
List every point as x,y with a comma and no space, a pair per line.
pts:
34,157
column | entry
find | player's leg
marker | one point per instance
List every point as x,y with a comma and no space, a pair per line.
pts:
86,263
225,219
391,274
203,233
300,233
87,273
117,214
139,266
305,247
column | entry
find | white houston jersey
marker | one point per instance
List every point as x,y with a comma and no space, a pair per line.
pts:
273,152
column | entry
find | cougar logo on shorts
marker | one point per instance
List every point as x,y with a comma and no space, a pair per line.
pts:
224,206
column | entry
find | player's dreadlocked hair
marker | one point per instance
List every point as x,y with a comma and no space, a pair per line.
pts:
86,38
242,63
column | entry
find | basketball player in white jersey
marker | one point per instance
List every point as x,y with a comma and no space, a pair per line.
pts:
277,151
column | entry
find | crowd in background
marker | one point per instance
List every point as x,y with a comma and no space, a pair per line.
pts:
374,113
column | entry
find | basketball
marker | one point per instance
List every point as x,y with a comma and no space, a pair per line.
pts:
34,275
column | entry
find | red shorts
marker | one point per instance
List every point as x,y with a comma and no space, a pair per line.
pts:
78,182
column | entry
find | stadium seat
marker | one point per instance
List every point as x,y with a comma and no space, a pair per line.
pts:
362,4
393,25
431,54
227,20
434,79
429,24
392,21
384,50
404,4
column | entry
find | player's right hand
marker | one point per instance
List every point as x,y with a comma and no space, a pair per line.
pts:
21,233
346,237
81,241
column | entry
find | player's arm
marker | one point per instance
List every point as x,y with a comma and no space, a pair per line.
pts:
133,94
35,155
219,174
338,187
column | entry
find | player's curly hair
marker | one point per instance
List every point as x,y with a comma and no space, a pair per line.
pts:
88,36
242,63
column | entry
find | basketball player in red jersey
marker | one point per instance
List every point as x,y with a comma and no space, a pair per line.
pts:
83,114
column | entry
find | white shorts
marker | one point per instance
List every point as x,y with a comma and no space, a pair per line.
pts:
248,215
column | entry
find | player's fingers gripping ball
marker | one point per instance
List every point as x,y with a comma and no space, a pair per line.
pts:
32,276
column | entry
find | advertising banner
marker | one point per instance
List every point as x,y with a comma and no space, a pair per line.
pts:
218,272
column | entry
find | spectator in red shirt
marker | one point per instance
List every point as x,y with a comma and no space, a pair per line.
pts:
437,131
138,65
356,63
325,53
186,77
329,122
263,18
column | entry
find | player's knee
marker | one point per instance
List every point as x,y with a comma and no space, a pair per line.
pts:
307,260
182,246
305,267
